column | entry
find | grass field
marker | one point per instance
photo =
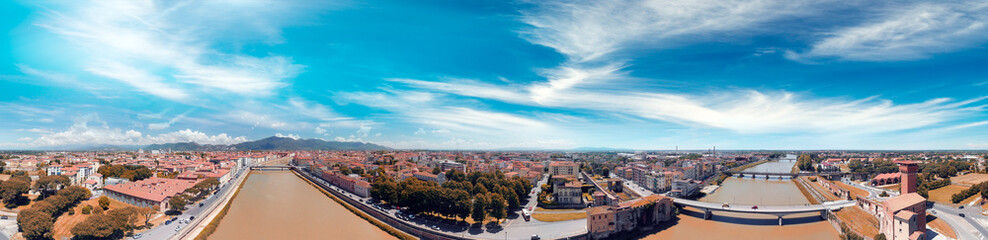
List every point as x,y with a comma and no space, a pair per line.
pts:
941,226
859,220
555,217
895,187
969,179
942,195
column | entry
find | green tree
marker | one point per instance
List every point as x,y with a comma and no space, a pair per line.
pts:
497,207
98,226
479,211
75,194
177,203
86,209
104,202
880,236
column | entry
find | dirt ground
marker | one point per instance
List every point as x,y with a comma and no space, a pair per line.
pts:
855,192
941,226
969,179
859,220
64,224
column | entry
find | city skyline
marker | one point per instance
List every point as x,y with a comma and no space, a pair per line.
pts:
498,75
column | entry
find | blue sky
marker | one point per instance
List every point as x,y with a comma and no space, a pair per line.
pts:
736,74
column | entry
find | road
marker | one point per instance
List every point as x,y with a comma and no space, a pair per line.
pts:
966,227
515,227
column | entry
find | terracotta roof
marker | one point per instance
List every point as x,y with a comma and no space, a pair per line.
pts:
898,203
154,189
905,214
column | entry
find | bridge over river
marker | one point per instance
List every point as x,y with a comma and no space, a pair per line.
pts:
272,167
779,211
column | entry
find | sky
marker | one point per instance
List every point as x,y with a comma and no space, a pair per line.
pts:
651,75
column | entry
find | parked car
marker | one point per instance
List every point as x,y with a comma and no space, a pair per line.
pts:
192,218
535,237
3,217
754,207
961,207
961,214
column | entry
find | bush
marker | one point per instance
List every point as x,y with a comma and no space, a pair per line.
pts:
104,202
883,194
87,209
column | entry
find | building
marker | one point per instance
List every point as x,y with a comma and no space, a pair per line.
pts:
886,179
569,193
639,214
683,188
362,188
904,217
558,168
438,178
152,192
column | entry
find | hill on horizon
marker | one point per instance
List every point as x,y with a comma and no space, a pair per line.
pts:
270,143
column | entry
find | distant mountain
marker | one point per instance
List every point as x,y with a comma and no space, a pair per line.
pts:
271,143
601,149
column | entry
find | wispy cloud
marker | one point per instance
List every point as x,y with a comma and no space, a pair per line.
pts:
743,111
167,50
906,33
587,30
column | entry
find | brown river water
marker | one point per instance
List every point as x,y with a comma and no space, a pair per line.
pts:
748,191
280,205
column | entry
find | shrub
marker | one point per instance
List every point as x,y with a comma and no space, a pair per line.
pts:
87,209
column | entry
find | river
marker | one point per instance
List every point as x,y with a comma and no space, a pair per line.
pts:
280,205
750,191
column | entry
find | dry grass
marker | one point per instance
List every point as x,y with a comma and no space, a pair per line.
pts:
555,217
63,226
855,192
859,220
942,195
539,209
969,179
941,226
806,192
822,190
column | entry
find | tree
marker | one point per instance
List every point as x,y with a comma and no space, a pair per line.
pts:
147,213
497,207
436,171
177,203
47,185
3,166
98,226
104,202
479,211
880,236
75,194
35,224
86,209
12,191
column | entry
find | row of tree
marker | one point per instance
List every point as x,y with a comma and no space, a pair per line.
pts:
37,221
975,189
193,194
130,172
476,195
926,183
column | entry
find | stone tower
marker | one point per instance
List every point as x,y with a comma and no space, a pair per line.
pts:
908,171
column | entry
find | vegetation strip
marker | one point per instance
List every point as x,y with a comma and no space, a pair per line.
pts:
806,192
387,228
211,227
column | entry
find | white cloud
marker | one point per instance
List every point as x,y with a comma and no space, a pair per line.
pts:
312,110
587,30
742,111
255,120
90,130
320,130
34,130
292,136
420,132
364,130
24,139
907,33
163,49
441,130
163,125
